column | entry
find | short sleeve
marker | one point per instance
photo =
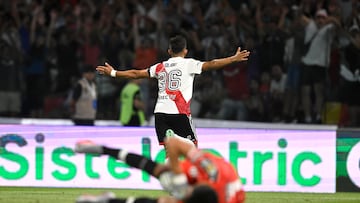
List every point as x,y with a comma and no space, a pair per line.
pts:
152,71
196,66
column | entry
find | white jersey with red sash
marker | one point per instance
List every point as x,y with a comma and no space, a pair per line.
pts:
175,81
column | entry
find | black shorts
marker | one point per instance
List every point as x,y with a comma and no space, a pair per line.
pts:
181,124
313,74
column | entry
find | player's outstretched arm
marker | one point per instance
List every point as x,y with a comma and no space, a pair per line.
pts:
107,69
177,147
176,182
240,55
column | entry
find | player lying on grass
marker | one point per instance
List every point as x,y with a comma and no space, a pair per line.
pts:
200,177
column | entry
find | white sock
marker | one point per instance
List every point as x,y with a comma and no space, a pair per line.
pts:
122,155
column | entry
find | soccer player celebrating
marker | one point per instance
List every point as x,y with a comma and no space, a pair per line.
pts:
175,86
199,177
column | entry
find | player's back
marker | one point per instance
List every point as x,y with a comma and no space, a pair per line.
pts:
175,82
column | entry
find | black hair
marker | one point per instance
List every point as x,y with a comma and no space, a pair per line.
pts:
203,194
177,44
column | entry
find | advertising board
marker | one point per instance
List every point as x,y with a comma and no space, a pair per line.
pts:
348,161
266,160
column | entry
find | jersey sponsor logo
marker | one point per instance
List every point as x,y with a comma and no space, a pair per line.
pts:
172,97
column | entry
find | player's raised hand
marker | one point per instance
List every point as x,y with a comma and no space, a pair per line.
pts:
106,70
242,55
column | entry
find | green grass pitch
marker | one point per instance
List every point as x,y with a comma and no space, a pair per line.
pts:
68,195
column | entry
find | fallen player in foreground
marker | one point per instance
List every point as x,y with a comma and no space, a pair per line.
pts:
199,178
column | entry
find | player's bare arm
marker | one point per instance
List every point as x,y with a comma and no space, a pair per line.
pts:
107,69
177,147
240,55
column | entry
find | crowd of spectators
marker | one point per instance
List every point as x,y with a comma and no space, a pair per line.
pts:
44,45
